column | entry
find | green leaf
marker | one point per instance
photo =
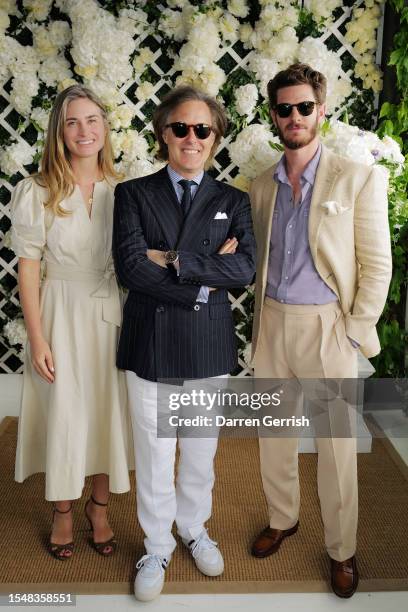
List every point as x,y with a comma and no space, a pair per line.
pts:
396,56
385,109
276,146
389,127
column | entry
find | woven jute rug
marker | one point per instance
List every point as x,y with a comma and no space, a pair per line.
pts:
239,513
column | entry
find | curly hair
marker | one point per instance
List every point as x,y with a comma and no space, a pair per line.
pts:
298,74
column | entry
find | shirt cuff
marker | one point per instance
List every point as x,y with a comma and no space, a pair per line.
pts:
203,295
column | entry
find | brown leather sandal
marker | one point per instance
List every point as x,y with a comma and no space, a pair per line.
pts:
100,547
58,551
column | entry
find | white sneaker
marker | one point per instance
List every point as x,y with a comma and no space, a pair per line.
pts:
149,580
206,555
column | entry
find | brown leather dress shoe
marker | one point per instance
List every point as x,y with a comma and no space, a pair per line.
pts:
270,539
344,577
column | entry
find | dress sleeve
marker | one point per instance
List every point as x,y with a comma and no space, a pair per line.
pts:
28,235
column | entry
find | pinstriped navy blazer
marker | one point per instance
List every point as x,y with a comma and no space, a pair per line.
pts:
165,332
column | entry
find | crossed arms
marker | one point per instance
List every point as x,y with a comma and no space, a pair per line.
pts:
140,268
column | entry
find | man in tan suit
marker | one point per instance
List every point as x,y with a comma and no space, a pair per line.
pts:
323,271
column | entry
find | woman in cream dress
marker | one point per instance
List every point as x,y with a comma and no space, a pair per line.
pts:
74,418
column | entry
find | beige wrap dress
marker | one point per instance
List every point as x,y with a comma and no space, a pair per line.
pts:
79,425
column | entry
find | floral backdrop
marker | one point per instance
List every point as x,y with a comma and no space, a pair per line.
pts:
132,52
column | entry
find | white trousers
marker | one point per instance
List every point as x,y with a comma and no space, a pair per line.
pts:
161,500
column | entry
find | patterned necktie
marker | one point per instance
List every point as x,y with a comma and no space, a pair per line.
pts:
187,198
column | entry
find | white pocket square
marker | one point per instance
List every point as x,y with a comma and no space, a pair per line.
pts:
334,208
221,215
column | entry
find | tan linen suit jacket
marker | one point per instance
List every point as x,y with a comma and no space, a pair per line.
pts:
350,248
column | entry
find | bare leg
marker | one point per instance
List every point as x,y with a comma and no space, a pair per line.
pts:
98,514
62,526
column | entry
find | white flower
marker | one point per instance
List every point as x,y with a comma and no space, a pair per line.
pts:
120,117
245,35
40,117
144,91
239,8
251,151
247,353
314,52
229,26
134,21
204,38
43,42
15,332
9,6
134,146
171,23
38,9
350,142
125,114
191,61
137,168
116,141
265,69
283,46
23,61
53,70
108,93
246,98
66,83
15,156
60,33
177,3
273,18
197,56
87,72
389,149
212,79
7,241
102,50
4,21
322,11
24,89
373,78
144,58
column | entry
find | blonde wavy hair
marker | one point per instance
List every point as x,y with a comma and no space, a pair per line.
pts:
56,172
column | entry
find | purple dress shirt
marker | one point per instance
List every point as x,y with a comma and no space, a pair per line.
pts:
292,275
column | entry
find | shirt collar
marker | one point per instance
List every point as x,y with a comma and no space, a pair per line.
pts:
309,173
175,177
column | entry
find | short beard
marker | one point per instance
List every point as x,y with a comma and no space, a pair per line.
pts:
298,144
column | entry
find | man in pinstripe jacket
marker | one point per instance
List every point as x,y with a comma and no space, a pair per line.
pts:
181,240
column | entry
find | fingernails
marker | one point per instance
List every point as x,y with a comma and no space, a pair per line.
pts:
52,369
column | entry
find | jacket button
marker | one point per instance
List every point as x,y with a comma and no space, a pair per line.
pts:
161,244
196,307
206,242
160,309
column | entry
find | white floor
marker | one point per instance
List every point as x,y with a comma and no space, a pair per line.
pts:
393,423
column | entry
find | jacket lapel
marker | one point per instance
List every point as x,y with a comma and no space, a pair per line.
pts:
166,207
326,175
204,207
264,221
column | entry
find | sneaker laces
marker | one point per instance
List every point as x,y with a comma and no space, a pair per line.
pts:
203,542
152,562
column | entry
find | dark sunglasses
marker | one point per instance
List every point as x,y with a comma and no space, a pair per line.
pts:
180,129
285,110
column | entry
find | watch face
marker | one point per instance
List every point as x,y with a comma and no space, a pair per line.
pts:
171,256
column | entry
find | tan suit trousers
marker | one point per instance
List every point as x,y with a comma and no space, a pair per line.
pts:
309,341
